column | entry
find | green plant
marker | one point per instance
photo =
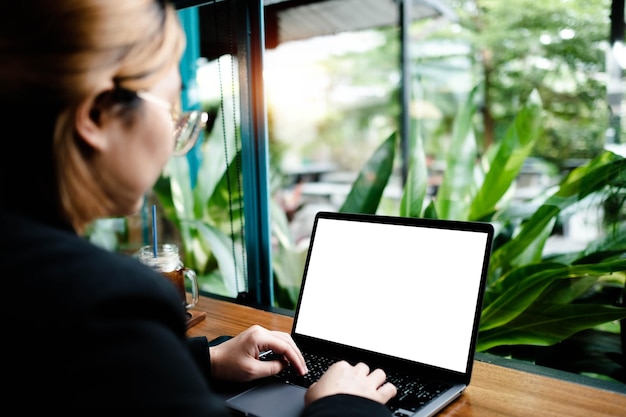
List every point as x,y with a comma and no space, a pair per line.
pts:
531,299
208,214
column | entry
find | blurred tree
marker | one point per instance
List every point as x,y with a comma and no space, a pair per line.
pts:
556,47
509,48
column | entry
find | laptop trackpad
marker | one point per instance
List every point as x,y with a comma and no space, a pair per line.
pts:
271,399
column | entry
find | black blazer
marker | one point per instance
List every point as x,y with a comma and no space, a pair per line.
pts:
86,331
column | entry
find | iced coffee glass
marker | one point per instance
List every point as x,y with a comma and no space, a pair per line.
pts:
167,261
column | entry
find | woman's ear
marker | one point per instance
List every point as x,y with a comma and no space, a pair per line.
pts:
91,121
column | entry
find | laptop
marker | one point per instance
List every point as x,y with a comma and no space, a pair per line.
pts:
401,294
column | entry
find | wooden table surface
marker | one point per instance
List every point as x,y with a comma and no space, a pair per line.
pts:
493,391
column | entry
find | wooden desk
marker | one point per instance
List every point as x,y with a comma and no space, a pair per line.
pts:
494,390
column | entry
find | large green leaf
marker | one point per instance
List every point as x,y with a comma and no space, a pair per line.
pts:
287,259
513,301
367,190
511,253
226,251
612,244
182,199
457,186
225,207
519,291
565,291
416,184
218,151
512,151
544,325
604,170
513,276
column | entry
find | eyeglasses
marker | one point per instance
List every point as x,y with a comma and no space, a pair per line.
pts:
187,125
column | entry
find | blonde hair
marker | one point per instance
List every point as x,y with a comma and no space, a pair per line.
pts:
57,53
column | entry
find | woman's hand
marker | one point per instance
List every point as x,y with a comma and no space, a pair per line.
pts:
237,359
343,378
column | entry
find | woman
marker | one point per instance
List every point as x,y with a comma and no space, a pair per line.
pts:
88,89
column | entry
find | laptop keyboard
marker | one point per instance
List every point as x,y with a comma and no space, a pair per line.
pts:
412,395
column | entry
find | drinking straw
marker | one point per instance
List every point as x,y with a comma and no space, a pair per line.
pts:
154,231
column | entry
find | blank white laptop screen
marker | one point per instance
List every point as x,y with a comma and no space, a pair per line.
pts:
405,291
